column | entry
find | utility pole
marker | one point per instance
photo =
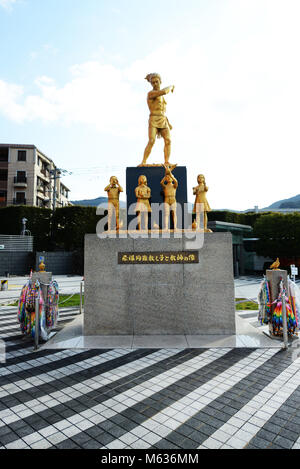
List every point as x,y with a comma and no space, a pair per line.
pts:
55,173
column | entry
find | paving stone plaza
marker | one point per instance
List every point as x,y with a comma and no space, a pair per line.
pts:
146,398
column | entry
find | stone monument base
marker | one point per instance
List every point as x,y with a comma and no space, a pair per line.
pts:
158,299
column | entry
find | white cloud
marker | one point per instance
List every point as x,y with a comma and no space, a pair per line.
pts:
7,4
9,96
50,49
96,94
33,55
235,109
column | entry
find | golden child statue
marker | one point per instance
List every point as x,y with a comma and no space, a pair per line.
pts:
159,125
169,185
201,204
143,194
113,191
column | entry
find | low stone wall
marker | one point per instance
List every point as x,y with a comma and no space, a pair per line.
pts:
16,263
57,262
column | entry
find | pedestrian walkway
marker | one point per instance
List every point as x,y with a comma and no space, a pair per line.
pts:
164,398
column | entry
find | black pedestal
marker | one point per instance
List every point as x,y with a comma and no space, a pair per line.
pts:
154,176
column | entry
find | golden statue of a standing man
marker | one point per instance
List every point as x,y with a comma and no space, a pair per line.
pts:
159,125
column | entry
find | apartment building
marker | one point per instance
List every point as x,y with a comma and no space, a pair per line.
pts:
28,176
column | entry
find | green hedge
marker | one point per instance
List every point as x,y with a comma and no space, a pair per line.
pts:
223,215
65,230
70,224
233,217
279,235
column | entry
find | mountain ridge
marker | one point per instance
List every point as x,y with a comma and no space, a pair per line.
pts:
95,202
292,202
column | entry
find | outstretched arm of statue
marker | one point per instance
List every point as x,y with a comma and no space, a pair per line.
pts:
168,89
154,94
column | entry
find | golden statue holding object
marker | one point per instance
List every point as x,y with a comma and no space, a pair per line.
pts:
113,192
169,185
143,194
159,125
201,204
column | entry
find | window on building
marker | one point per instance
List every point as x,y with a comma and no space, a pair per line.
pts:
3,174
20,198
21,176
3,153
21,155
20,195
3,198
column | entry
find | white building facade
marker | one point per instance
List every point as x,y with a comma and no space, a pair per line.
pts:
29,177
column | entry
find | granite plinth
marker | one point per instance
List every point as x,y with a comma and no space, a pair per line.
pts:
158,299
44,278
154,175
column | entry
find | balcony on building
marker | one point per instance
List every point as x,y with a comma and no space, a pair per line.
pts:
20,181
40,188
45,172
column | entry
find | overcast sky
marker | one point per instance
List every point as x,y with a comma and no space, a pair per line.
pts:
72,83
